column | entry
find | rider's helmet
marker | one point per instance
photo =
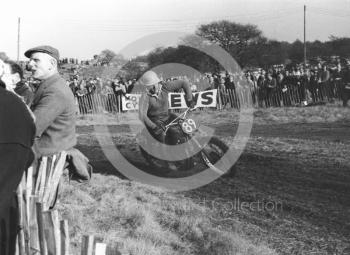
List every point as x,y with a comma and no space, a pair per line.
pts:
149,78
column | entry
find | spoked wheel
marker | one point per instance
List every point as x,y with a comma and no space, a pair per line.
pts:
212,152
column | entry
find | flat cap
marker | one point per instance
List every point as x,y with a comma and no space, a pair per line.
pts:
45,49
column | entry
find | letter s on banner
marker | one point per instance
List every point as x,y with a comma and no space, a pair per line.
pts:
207,98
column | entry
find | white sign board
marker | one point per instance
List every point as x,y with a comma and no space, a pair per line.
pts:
203,99
176,100
130,102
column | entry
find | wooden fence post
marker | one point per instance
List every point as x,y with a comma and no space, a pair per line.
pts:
40,220
33,227
21,206
64,237
112,250
26,212
87,245
52,232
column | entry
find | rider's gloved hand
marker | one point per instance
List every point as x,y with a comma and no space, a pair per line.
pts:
191,103
159,132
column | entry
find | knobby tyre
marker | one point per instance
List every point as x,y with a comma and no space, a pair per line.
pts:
212,152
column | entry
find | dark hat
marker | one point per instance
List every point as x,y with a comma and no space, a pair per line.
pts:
45,49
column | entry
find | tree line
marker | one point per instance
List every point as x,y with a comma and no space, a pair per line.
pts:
249,47
246,43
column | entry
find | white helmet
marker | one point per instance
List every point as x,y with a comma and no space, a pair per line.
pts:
149,78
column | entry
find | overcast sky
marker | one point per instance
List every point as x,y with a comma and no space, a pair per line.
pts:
84,28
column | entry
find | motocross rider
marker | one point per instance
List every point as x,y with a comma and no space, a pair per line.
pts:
154,105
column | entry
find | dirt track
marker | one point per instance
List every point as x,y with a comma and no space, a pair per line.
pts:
303,167
339,131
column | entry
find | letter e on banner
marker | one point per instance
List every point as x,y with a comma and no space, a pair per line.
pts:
176,101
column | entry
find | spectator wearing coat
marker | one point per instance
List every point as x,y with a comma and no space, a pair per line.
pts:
314,85
81,94
119,89
17,132
261,82
286,91
271,90
304,87
345,92
323,83
74,86
54,109
337,82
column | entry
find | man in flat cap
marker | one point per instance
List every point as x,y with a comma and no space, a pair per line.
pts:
54,109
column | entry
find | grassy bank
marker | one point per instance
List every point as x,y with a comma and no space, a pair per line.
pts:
296,156
144,220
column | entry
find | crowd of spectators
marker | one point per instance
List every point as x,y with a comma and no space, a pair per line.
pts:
279,86
272,87
109,90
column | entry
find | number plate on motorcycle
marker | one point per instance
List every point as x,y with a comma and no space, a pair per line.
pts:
189,126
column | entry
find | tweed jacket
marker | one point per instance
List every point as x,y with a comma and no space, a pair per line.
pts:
54,109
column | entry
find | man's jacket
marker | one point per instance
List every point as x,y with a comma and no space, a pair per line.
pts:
25,92
54,109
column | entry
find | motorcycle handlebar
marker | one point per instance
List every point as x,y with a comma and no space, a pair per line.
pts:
182,115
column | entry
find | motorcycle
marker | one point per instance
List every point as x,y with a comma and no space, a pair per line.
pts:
198,147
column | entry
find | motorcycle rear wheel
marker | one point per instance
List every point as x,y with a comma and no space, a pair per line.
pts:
212,152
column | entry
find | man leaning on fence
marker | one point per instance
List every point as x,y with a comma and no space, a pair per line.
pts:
54,109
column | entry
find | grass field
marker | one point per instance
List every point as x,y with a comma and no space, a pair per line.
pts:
291,193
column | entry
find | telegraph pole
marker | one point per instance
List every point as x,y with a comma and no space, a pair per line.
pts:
18,31
304,36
